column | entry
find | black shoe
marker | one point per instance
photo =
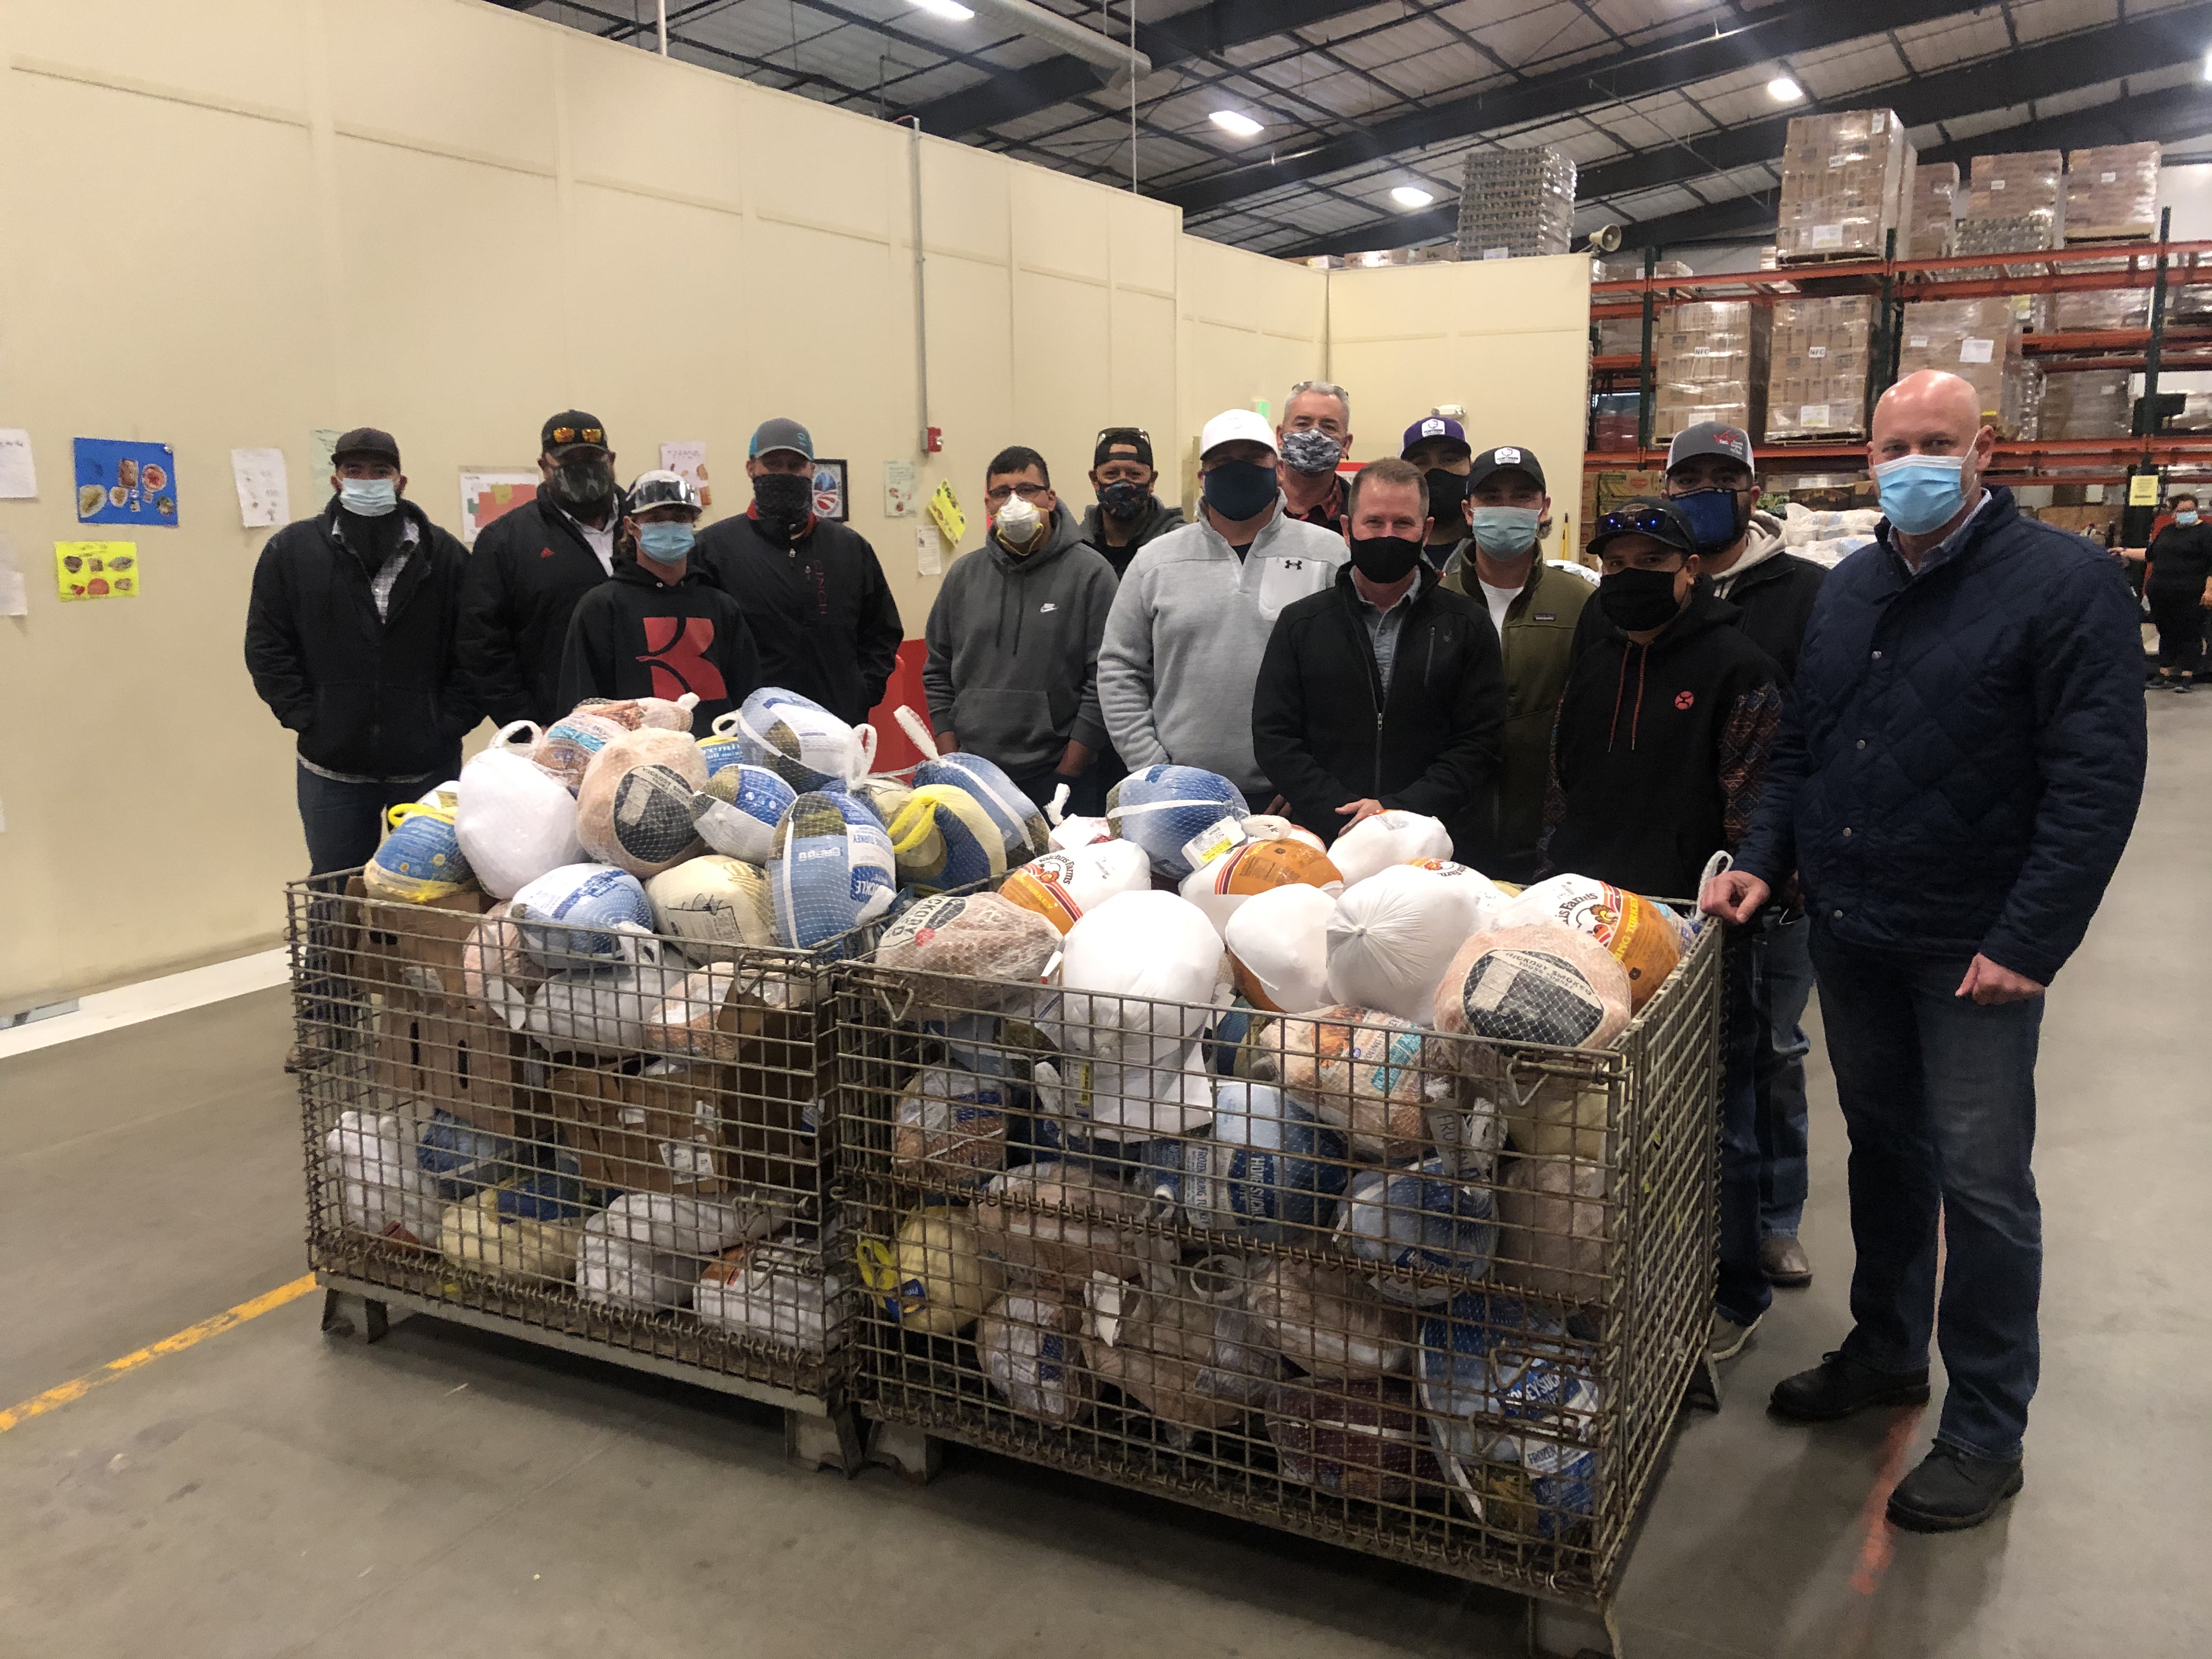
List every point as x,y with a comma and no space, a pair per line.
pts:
2180,685
1952,1490
1838,1386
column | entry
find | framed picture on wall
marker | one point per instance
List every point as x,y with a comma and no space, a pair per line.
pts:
832,500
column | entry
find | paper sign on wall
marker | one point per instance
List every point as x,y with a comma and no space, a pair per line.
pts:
927,560
898,489
688,456
96,570
124,482
13,601
2142,489
488,492
324,440
19,479
945,511
264,497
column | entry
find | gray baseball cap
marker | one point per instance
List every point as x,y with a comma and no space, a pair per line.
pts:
1710,438
780,433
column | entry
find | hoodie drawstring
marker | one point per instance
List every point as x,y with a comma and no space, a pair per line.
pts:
1636,712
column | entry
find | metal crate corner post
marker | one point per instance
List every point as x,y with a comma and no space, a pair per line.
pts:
615,1146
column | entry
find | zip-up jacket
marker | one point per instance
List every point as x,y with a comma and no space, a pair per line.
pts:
1012,670
525,575
1661,752
1159,519
1538,644
369,697
1965,748
820,610
1328,733
1183,642
638,636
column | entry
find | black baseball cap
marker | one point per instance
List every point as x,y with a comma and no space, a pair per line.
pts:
1646,515
569,428
366,442
1134,438
1506,457
1710,438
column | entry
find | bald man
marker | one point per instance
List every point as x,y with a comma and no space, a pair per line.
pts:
1953,782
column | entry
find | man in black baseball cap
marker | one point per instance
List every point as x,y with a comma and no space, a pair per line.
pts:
1128,515
1657,762
1437,445
532,563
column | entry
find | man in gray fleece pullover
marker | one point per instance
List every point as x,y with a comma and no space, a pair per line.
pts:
1012,669
1191,622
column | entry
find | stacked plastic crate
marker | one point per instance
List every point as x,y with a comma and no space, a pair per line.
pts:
1516,203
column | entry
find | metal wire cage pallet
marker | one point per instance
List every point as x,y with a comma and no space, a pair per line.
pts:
1428,1297
608,1142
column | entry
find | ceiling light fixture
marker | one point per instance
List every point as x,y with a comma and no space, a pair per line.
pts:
1411,196
2207,64
1237,124
1784,90
951,10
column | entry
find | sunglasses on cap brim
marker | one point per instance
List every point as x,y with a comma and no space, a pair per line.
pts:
1641,521
562,436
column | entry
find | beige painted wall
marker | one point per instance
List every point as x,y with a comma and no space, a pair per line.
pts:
226,227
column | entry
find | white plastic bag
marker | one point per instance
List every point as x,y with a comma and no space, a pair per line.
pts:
775,1290
381,1192
1222,885
647,1250
597,1010
1393,934
1129,967
514,820
1387,838
1279,944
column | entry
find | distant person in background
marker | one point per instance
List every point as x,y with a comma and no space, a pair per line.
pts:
1128,515
1314,439
1437,445
531,565
1191,620
811,590
1012,672
2178,589
661,628
1953,784
1533,608
350,637
1383,690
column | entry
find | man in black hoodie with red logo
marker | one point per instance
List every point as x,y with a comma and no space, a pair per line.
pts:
1657,760
660,628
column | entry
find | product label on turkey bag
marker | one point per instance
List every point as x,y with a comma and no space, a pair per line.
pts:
1211,842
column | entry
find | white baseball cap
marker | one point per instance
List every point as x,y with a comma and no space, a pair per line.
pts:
1236,426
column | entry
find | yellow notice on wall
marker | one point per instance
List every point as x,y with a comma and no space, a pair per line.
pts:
2142,489
945,511
96,570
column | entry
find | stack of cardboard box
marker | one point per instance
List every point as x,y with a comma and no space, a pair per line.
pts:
1977,340
2112,192
1817,383
2086,403
1935,211
1623,336
2018,185
1516,203
1847,182
1712,363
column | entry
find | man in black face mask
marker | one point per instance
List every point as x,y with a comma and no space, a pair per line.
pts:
1128,515
1386,689
529,567
813,592
1437,444
1657,760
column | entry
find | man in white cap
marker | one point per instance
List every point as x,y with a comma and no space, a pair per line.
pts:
1191,621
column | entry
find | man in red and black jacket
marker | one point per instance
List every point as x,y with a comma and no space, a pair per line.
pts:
820,609
529,568
660,628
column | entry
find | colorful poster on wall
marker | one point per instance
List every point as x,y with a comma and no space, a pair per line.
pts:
945,512
120,482
264,497
688,457
898,489
832,501
96,570
488,492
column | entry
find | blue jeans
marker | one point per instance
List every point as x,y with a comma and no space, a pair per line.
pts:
1781,983
344,822
1743,1293
1938,1092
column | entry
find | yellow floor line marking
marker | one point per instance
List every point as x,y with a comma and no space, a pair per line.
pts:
191,1336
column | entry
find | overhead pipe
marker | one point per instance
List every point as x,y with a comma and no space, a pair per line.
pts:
1123,64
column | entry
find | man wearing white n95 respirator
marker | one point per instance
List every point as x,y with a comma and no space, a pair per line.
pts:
1191,621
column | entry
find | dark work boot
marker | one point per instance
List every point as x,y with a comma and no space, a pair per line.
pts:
1838,1386
1952,1490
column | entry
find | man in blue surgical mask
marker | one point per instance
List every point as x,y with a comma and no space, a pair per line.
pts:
1533,607
1954,781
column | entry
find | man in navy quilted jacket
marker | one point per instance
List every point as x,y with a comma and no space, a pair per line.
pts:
1955,779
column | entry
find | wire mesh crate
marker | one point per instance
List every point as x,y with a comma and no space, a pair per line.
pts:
599,1139
1426,1296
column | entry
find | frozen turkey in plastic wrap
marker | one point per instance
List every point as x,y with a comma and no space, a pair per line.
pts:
603,1010
944,838
737,810
1174,811
1059,1223
573,916
1023,832
1327,1319
775,1291
1553,1228
1142,977
952,1126
934,1280
1361,1070
719,906
570,743
799,740
1029,1344
496,972
947,939
1182,1346
1538,982
1640,932
1064,886
1267,1166
646,1250
831,872
1360,1437
1393,935
1279,948
1226,883
381,1192
1382,839
514,819
419,858
633,807
1420,1220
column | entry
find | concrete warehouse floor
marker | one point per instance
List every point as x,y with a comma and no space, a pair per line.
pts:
268,1492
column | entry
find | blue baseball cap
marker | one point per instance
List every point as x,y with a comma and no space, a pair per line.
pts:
1429,428
780,433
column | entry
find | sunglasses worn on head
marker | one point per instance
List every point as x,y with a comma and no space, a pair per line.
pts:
1642,521
577,434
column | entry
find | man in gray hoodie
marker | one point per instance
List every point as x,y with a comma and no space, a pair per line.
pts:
1012,669
1191,621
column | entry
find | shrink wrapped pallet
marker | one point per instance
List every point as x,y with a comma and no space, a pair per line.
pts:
1816,383
1935,212
2112,192
2018,185
1974,339
1846,183
1711,363
1516,203
2086,403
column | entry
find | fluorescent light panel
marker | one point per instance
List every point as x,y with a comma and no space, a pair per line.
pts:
1784,90
951,10
1236,123
1411,196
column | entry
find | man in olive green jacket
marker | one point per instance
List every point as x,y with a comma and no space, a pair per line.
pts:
1534,608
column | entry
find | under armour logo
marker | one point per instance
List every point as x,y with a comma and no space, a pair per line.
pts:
1685,699
677,649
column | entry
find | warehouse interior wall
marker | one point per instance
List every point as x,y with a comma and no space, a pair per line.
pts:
229,226
1508,340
